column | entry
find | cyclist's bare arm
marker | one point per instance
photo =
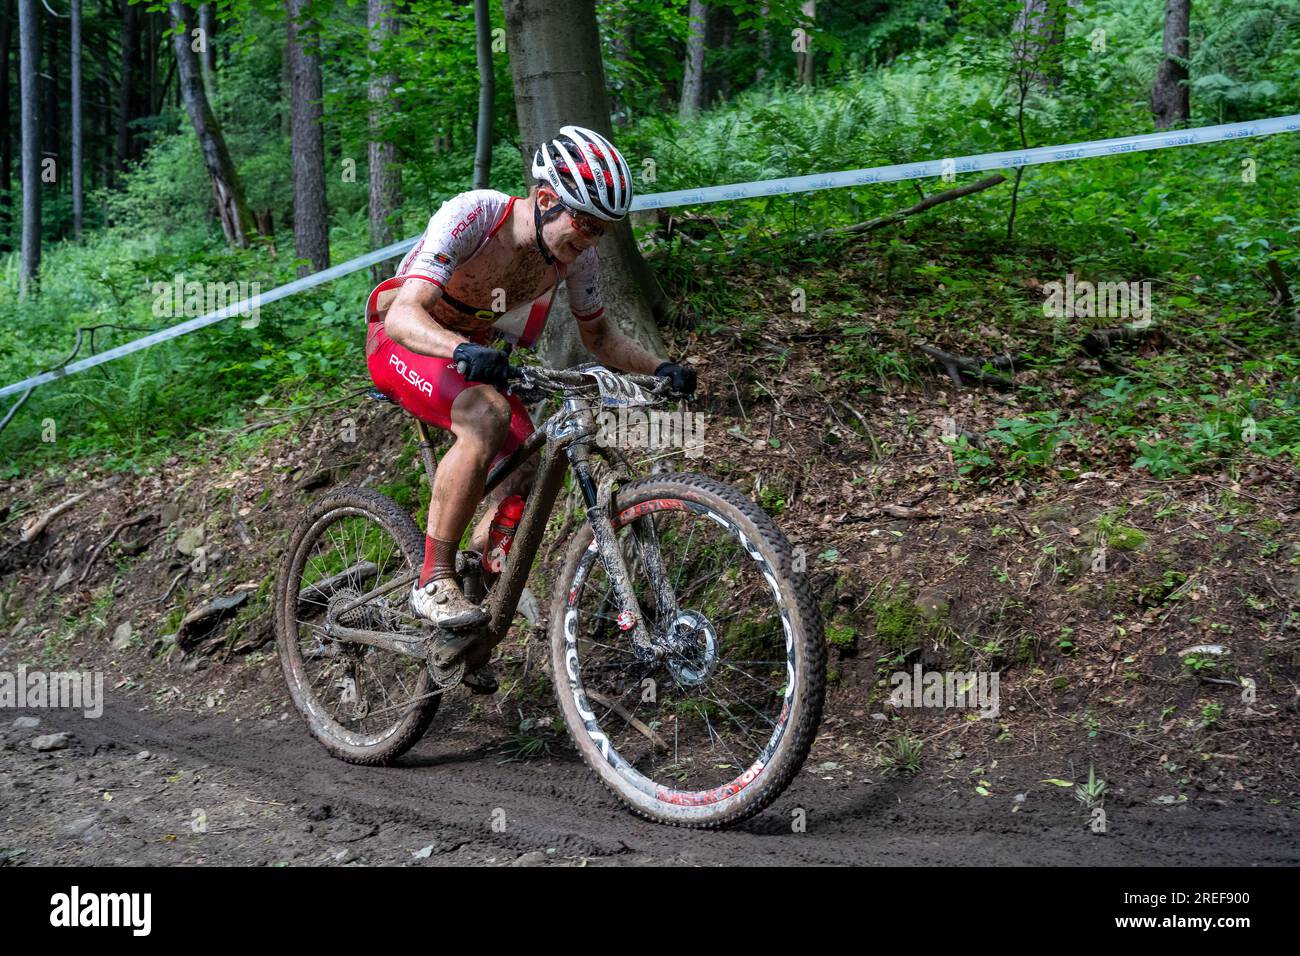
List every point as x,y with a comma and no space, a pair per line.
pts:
611,347
410,321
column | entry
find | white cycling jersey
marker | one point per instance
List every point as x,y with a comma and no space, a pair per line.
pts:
457,232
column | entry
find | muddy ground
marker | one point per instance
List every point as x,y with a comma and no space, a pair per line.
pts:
138,787
199,757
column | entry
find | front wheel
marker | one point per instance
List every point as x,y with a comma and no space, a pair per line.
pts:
715,730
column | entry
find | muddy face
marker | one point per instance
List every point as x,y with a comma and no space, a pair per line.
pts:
565,242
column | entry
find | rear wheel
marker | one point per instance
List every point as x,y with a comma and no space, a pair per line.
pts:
366,705
713,732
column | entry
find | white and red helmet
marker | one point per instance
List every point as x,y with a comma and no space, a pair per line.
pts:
586,172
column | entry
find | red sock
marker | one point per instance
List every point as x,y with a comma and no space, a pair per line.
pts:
439,559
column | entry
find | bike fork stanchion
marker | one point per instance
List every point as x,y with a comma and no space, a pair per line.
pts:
602,530
643,532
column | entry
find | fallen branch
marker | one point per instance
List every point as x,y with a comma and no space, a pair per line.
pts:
172,587
33,530
1100,341
865,427
958,365
890,511
948,195
616,707
94,555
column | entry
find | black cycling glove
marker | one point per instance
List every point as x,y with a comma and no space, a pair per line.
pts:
681,376
478,363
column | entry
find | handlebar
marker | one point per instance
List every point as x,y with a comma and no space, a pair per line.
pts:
536,376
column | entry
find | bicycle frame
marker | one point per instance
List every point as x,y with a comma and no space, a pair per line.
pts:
562,440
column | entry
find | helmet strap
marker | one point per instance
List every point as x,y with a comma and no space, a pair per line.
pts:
537,226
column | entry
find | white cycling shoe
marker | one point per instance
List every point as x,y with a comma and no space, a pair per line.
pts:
442,602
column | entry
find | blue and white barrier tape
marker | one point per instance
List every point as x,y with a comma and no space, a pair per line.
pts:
972,164
693,197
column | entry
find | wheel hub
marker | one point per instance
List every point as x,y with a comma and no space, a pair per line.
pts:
692,632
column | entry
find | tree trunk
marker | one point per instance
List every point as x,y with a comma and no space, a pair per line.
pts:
804,57
51,138
208,59
78,198
1169,97
236,223
310,216
721,36
486,94
1036,41
693,69
28,61
385,174
6,126
764,45
554,49
149,49
130,34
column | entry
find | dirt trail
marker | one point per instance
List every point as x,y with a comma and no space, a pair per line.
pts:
261,786
1147,628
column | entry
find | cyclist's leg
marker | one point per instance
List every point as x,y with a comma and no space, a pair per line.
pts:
520,481
483,420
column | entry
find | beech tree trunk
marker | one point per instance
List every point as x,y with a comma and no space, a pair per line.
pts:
554,48
28,65
693,72
1170,101
236,222
310,215
208,58
385,174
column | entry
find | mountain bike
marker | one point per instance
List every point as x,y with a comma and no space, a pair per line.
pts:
686,649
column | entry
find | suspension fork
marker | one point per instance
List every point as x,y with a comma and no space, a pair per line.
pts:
643,528
599,515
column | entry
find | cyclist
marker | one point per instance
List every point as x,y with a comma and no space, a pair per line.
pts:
490,264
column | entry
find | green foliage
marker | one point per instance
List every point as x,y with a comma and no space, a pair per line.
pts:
1031,441
896,81
1201,663
1210,715
1093,793
844,636
901,754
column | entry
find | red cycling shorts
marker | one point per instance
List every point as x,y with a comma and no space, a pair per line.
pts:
426,386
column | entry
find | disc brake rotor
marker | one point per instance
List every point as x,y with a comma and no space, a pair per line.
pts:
692,631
